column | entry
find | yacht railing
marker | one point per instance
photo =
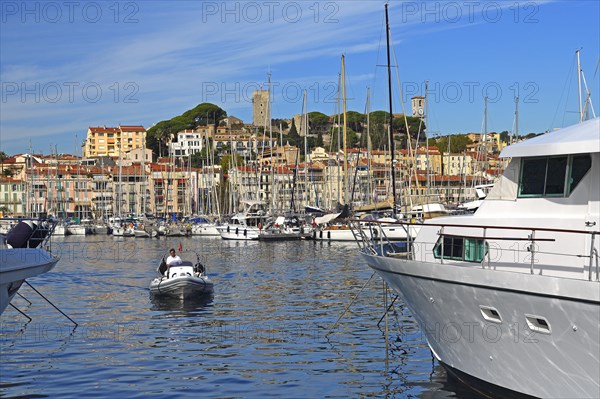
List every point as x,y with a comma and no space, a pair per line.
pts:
41,231
379,244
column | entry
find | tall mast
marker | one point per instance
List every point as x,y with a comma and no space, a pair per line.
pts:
391,135
516,118
579,86
305,129
369,144
344,129
427,172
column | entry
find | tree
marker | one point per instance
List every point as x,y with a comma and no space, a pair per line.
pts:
227,162
318,122
3,156
458,143
277,122
351,139
293,137
8,172
355,121
159,135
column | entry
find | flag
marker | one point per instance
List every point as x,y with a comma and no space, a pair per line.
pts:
180,247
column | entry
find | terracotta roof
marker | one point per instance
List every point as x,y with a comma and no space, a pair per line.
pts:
103,129
132,128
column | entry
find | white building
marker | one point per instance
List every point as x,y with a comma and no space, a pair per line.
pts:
188,142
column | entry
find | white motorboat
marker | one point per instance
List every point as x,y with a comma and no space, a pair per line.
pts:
61,230
245,225
371,227
141,233
22,256
184,281
285,229
514,287
202,226
205,229
123,231
76,229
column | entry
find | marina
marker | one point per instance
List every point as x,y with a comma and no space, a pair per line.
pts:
364,239
270,329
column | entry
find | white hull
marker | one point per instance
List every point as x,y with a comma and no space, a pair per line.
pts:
61,231
391,232
447,302
205,229
121,232
141,234
16,265
76,230
238,233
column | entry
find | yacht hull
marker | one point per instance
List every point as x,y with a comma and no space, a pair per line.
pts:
16,265
451,304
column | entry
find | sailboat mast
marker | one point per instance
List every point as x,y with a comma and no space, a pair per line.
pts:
579,86
344,129
516,118
391,135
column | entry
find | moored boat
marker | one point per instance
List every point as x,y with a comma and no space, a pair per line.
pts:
516,285
22,255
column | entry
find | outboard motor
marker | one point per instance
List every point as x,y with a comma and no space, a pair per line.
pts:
20,234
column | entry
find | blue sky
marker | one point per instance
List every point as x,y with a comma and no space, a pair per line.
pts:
65,66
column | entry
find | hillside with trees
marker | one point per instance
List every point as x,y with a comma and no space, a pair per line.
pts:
164,131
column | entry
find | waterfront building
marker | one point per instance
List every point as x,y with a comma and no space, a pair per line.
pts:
12,197
111,141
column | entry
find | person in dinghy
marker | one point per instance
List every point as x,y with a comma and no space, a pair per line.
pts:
173,259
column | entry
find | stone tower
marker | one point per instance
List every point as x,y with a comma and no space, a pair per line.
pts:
260,108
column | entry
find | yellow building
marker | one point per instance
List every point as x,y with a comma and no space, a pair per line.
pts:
108,141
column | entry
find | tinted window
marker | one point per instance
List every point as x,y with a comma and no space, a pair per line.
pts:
555,176
579,167
533,175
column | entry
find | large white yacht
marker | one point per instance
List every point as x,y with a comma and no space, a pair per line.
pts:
509,298
24,254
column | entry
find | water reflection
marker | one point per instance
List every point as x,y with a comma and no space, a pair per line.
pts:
286,319
190,306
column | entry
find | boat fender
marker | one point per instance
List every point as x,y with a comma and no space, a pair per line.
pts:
20,234
321,234
237,231
245,233
329,235
228,229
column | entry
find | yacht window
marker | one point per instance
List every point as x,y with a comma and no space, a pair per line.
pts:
580,165
543,177
533,174
555,176
461,248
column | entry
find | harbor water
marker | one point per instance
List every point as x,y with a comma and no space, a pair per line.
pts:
287,319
